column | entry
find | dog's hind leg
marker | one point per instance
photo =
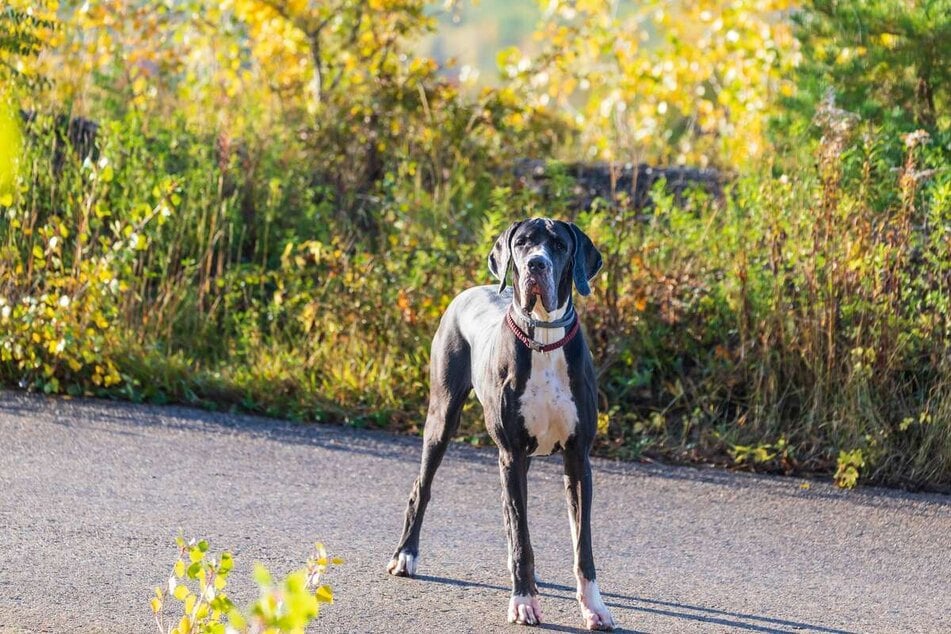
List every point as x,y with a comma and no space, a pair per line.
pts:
450,383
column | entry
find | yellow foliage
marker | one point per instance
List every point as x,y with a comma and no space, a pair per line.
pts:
698,92
9,152
230,65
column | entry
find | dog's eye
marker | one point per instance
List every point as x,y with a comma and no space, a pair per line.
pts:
520,242
561,246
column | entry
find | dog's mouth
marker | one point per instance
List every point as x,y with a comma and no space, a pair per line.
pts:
539,287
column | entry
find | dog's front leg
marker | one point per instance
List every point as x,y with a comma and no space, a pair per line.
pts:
524,607
578,490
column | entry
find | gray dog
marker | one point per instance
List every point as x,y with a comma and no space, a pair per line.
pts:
522,351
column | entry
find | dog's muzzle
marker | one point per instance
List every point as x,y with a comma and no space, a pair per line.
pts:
539,284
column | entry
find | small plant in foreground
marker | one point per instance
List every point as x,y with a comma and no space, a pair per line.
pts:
198,583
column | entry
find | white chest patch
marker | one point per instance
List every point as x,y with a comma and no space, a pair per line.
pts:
547,405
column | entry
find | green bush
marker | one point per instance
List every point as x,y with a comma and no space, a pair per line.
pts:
774,341
723,331
297,265
887,61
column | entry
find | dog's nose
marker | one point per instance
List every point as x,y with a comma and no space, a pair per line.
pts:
537,264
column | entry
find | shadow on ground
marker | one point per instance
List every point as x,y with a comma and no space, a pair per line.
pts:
725,618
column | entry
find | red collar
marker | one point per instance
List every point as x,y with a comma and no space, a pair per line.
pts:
536,346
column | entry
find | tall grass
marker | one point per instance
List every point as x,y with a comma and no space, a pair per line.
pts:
800,324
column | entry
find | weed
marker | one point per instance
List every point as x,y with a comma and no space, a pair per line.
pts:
198,585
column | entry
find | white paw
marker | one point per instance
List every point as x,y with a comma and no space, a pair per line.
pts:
403,565
595,614
525,610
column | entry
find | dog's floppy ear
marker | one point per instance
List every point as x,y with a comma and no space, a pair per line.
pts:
501,255
586,260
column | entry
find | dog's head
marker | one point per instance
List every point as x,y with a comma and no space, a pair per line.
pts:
546,256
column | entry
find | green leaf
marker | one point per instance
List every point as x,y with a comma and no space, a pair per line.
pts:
227,563
179,568
261,575
180,592
222,603
237,620
296,582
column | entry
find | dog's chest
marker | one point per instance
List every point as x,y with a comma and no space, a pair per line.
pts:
546,405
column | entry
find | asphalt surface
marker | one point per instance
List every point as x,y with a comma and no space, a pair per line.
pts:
93,493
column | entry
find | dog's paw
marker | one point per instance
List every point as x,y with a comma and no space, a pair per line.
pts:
402,565
593,610
525,610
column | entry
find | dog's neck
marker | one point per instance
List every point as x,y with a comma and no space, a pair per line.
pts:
549,335
539,312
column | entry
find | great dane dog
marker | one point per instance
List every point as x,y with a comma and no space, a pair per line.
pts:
522,351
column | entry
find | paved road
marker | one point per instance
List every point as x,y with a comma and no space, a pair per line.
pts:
93,493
